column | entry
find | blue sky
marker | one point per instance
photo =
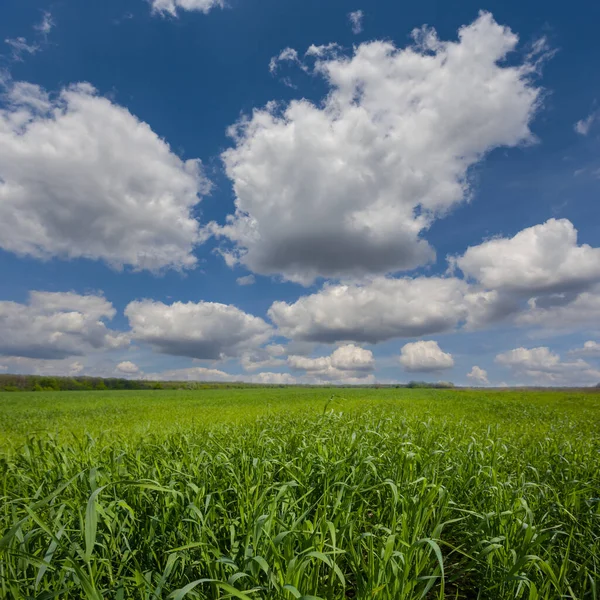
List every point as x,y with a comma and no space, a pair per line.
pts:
365,156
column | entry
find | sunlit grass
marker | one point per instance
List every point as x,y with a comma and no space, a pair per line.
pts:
387,494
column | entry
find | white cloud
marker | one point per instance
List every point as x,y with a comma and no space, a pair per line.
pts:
20,46
543,366
583,127
246,280
563,311
83,177
215,375
346,363
346,187
544,258
424,357
478,375
171,7
46,25
48,367
273,378
287,55
356,19
590,348
262,358
203,330
384,309
128,368
56,325
191,374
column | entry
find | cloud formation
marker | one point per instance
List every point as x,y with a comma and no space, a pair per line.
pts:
81,177
424,357
171,7
57,325
128,368
584,126
356,19
541,259
383,309
478,376
346,188
348,362
540,365
203,330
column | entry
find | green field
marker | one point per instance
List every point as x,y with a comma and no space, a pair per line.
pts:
268,493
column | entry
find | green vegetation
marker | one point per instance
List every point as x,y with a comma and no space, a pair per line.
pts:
280,494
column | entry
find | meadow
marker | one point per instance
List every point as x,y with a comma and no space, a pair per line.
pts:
267,493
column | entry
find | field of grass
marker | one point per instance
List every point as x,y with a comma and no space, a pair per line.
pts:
281,494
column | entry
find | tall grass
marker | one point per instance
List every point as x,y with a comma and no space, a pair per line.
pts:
380,502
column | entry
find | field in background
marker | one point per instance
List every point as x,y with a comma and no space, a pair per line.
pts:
286,493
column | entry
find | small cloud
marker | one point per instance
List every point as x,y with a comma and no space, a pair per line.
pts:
356,19
424,357
246,280
478,375
287,54
46,25
128,368
20,46
583,127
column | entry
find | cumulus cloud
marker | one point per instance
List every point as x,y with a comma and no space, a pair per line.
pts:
82,177
273,378
356,19
345,188
348,362
544,258
584,126
203,330
562,311
56,325
171,7
383,309
424,357
128,368
590,348
246,280
543,366
262,358
478,375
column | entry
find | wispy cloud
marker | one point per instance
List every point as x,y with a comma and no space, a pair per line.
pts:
356,19
584,126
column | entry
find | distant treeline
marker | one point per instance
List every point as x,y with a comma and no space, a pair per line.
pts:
37,383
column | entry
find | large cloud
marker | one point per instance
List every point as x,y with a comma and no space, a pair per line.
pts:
82,177
540,259
425,357
346,187
544,366
563,311
384,309
204,330
172,6
56,325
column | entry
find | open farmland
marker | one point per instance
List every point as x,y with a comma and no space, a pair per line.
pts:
270,493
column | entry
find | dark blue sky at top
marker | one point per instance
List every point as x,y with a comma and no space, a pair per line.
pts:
191,77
